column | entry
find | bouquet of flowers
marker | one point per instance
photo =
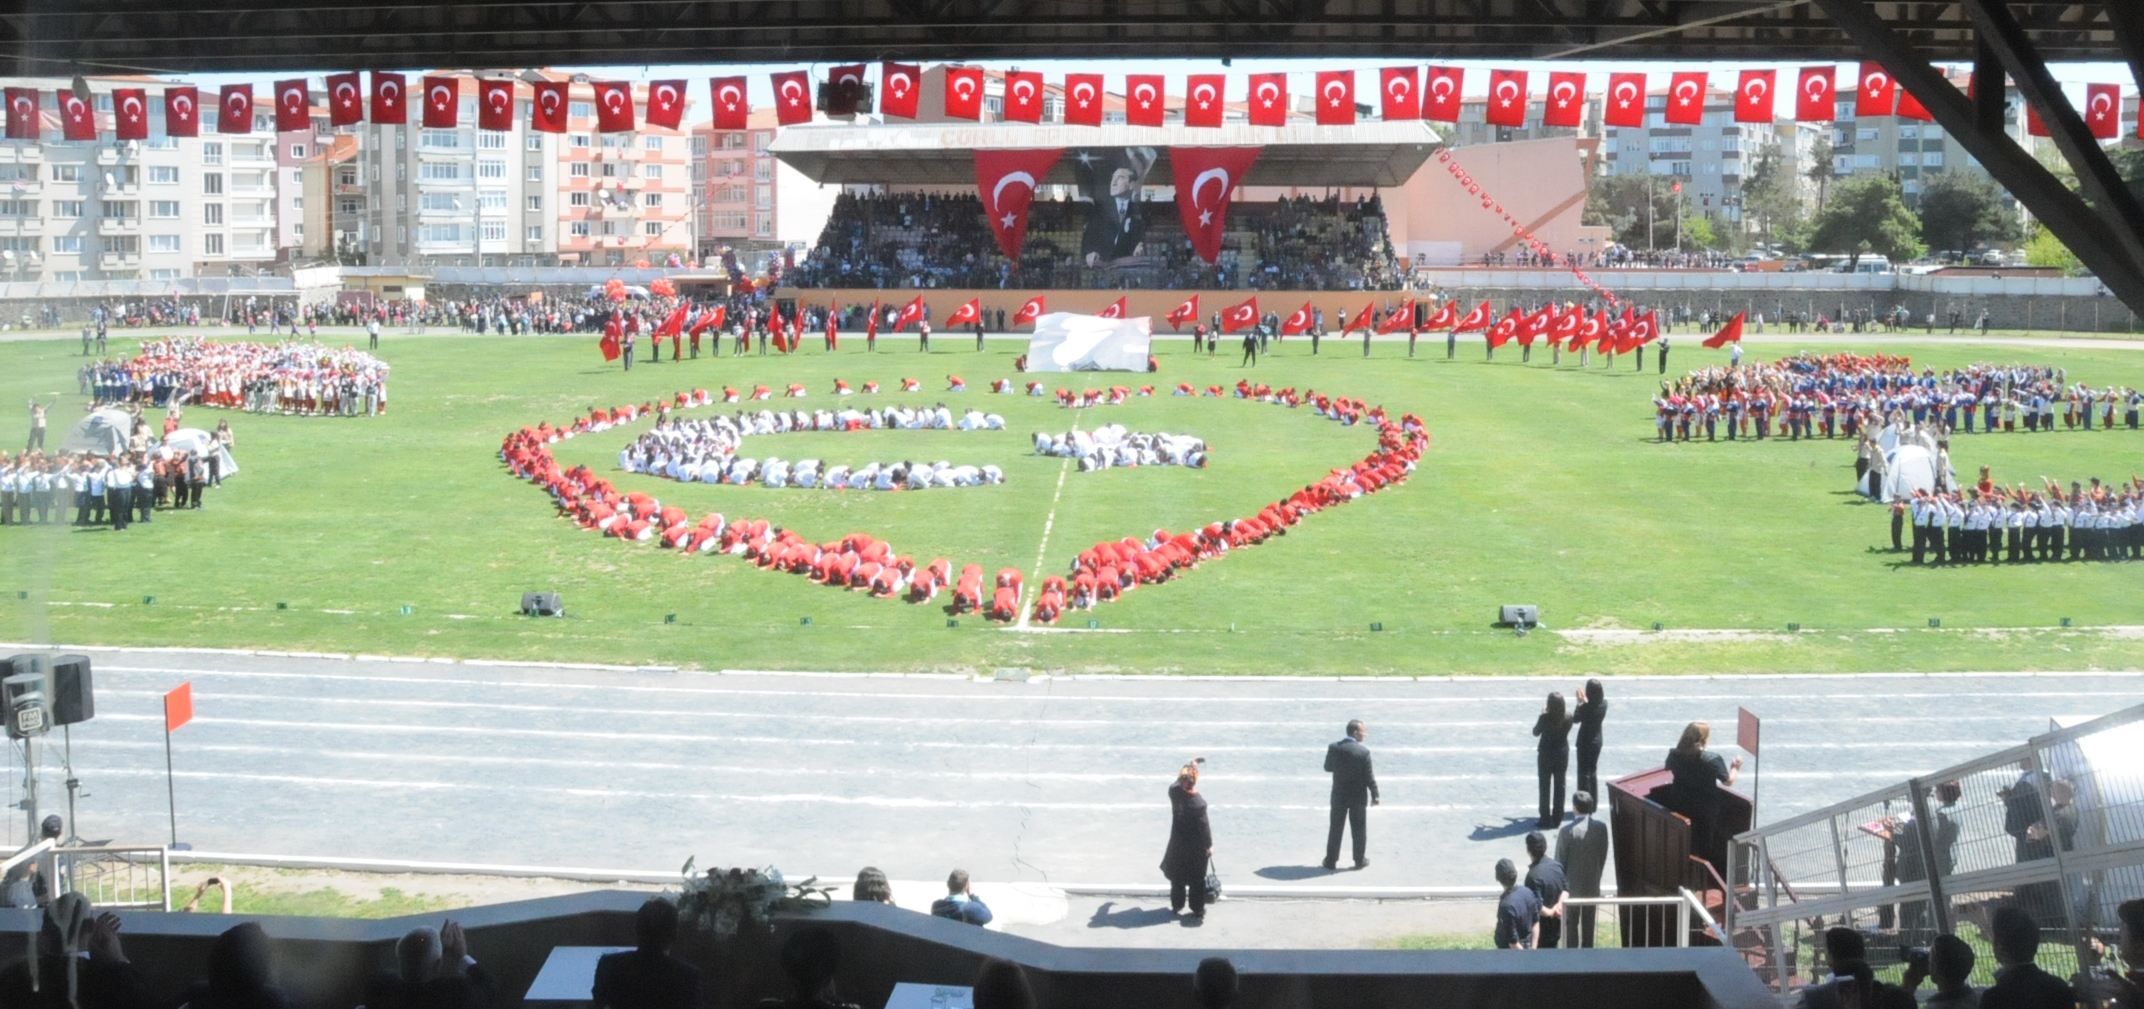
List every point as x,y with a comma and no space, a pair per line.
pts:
723,901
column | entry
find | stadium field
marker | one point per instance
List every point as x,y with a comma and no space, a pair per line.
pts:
1541,486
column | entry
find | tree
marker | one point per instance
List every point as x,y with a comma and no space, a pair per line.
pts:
1820,170
1960,213
2045,250
1772,200
1868,214
1619,202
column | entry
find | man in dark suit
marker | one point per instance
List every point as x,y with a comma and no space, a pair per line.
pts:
1354,791
2020,983
648,977
1117,224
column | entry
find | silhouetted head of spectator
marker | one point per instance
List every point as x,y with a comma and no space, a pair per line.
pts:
1950,962
1843,945
66,927
2131,915
655,925
957,881
417,954
872,886
240,963
1507,875
2015,936
1356,730
1594,693
1582,803
1002,985
810,958
1215,983
1948,793
1536,845
52,828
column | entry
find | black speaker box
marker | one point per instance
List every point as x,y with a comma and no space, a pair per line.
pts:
542,604
73,698
1520,615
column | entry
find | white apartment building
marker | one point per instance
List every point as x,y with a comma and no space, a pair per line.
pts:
1713,159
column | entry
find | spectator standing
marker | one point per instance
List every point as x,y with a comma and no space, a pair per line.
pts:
872,886
1915,917
1002,985
648,977
1354,791
1545,878
1518,911
960,902
1190,844
1592,710
1695,793
241,974
37,423
1582,850
1215,983
1552,758
2019,982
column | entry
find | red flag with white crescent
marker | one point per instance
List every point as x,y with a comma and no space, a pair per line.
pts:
547,112
1592,330
1186,312
1478,319
1268,100
1336,99
390,99
1116,311
442,103
1445,317
293,106
774,322
792,97
2103,110
911,312
130,113
1031,311
1364,319
833,326
182,111
1083,99
1537,325
666,104
1755,99
1505,328
1816,99
234,113
78,119
1236,318
709,319
674,323
964,93
1910,107
1206,179
970,312
1686,98
346,100
1440,97
1145,99
1567,325
1023,96
1730,333
1877,94
1202,100
1507,98
1399,89
1007,180
1566,105
495,105
897,89
1625,104
609,343
732,105
1297,322
614,107
1400,318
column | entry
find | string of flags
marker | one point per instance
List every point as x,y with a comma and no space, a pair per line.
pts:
1403,93
1489,203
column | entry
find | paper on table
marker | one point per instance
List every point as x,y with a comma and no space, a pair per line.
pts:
910,995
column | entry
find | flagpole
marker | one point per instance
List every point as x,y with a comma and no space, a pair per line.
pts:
171,791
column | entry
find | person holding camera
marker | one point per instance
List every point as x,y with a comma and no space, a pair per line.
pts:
1190,848
1948,960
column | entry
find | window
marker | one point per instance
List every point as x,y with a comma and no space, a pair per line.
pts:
401,171
613,141
651,171
580,170
763,197
252,149
121,245
651,199
440,140
535,173
451,202
535,204
579,140
535,233
578,229
652,142
1865,134
580,110
699,143
489,141
491,169
212,153
28,173
440,233
297,152
163,175
653,229
577,199
163,243
297,176
766,225
533,142
1909,159
610,169
168,209
401,138
1931,131
297,203
492,200
212,183
494,231
763,140
163,274
18,208
733,141
67,243
727,222
212,213
764,170
609,228
1932,159
350,205
1909,132
402,234
733,194
401,202
16,243
67,208
439,170
119,209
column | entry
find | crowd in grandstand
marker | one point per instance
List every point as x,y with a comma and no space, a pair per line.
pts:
285,378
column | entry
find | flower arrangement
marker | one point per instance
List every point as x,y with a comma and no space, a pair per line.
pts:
725,901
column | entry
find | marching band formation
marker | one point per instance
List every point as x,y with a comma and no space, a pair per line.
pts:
286,378
1987,523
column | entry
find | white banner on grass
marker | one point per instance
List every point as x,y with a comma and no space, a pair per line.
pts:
1066,341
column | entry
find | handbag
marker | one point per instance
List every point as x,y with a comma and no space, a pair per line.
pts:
1212,886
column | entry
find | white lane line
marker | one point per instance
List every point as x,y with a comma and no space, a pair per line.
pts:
1048,523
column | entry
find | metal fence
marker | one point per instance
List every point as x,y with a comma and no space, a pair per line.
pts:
117,878
2054,826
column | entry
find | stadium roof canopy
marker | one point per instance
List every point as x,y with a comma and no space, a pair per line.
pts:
43,37
1365,154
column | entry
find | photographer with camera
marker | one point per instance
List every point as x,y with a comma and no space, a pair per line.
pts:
1950,962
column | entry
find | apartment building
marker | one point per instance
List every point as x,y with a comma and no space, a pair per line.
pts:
735,180
621,197
156,209
1908,149
1710,160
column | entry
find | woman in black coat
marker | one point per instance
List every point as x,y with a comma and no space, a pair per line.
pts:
1190,843
1592,708
1552,758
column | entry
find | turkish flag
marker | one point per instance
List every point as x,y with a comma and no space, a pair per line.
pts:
182,111
1007,180
792,97
1083,99
609,343
666,104
1401,318
898,82
2034,125
1566,105
1116,311
844,90
1363,319
710,319
1336,98
1754,97
1269,100
547,113
1297,322
1910,107
1645,330
964,93
1202,99
78,120
1445,317
1186,312
442,103
1507,98
1730,333
2103,110
1206,177
1686,98
495,105
1536,325
293,107
1816,100
346,102
1475,320
1023,96
1590,330
1568,325
1236,318
1877,93
1626,101
1440,97
234,110
130,113
1144,97
390,99
732,105
1401,91
1030,311
1506,328
970,312
774,320
614,107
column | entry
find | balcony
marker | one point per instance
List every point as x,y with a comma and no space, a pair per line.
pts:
246,221
349,190
117,225
21,152
107,155
118,260
22,225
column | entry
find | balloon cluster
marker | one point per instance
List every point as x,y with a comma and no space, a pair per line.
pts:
1541,248
614,289
663,288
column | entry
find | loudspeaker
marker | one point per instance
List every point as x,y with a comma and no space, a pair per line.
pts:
27,713
71,695
1520,615
542,604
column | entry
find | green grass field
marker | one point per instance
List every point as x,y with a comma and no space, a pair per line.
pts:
1540,486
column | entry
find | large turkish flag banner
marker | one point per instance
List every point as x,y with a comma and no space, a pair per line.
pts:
1007,181
1206,177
